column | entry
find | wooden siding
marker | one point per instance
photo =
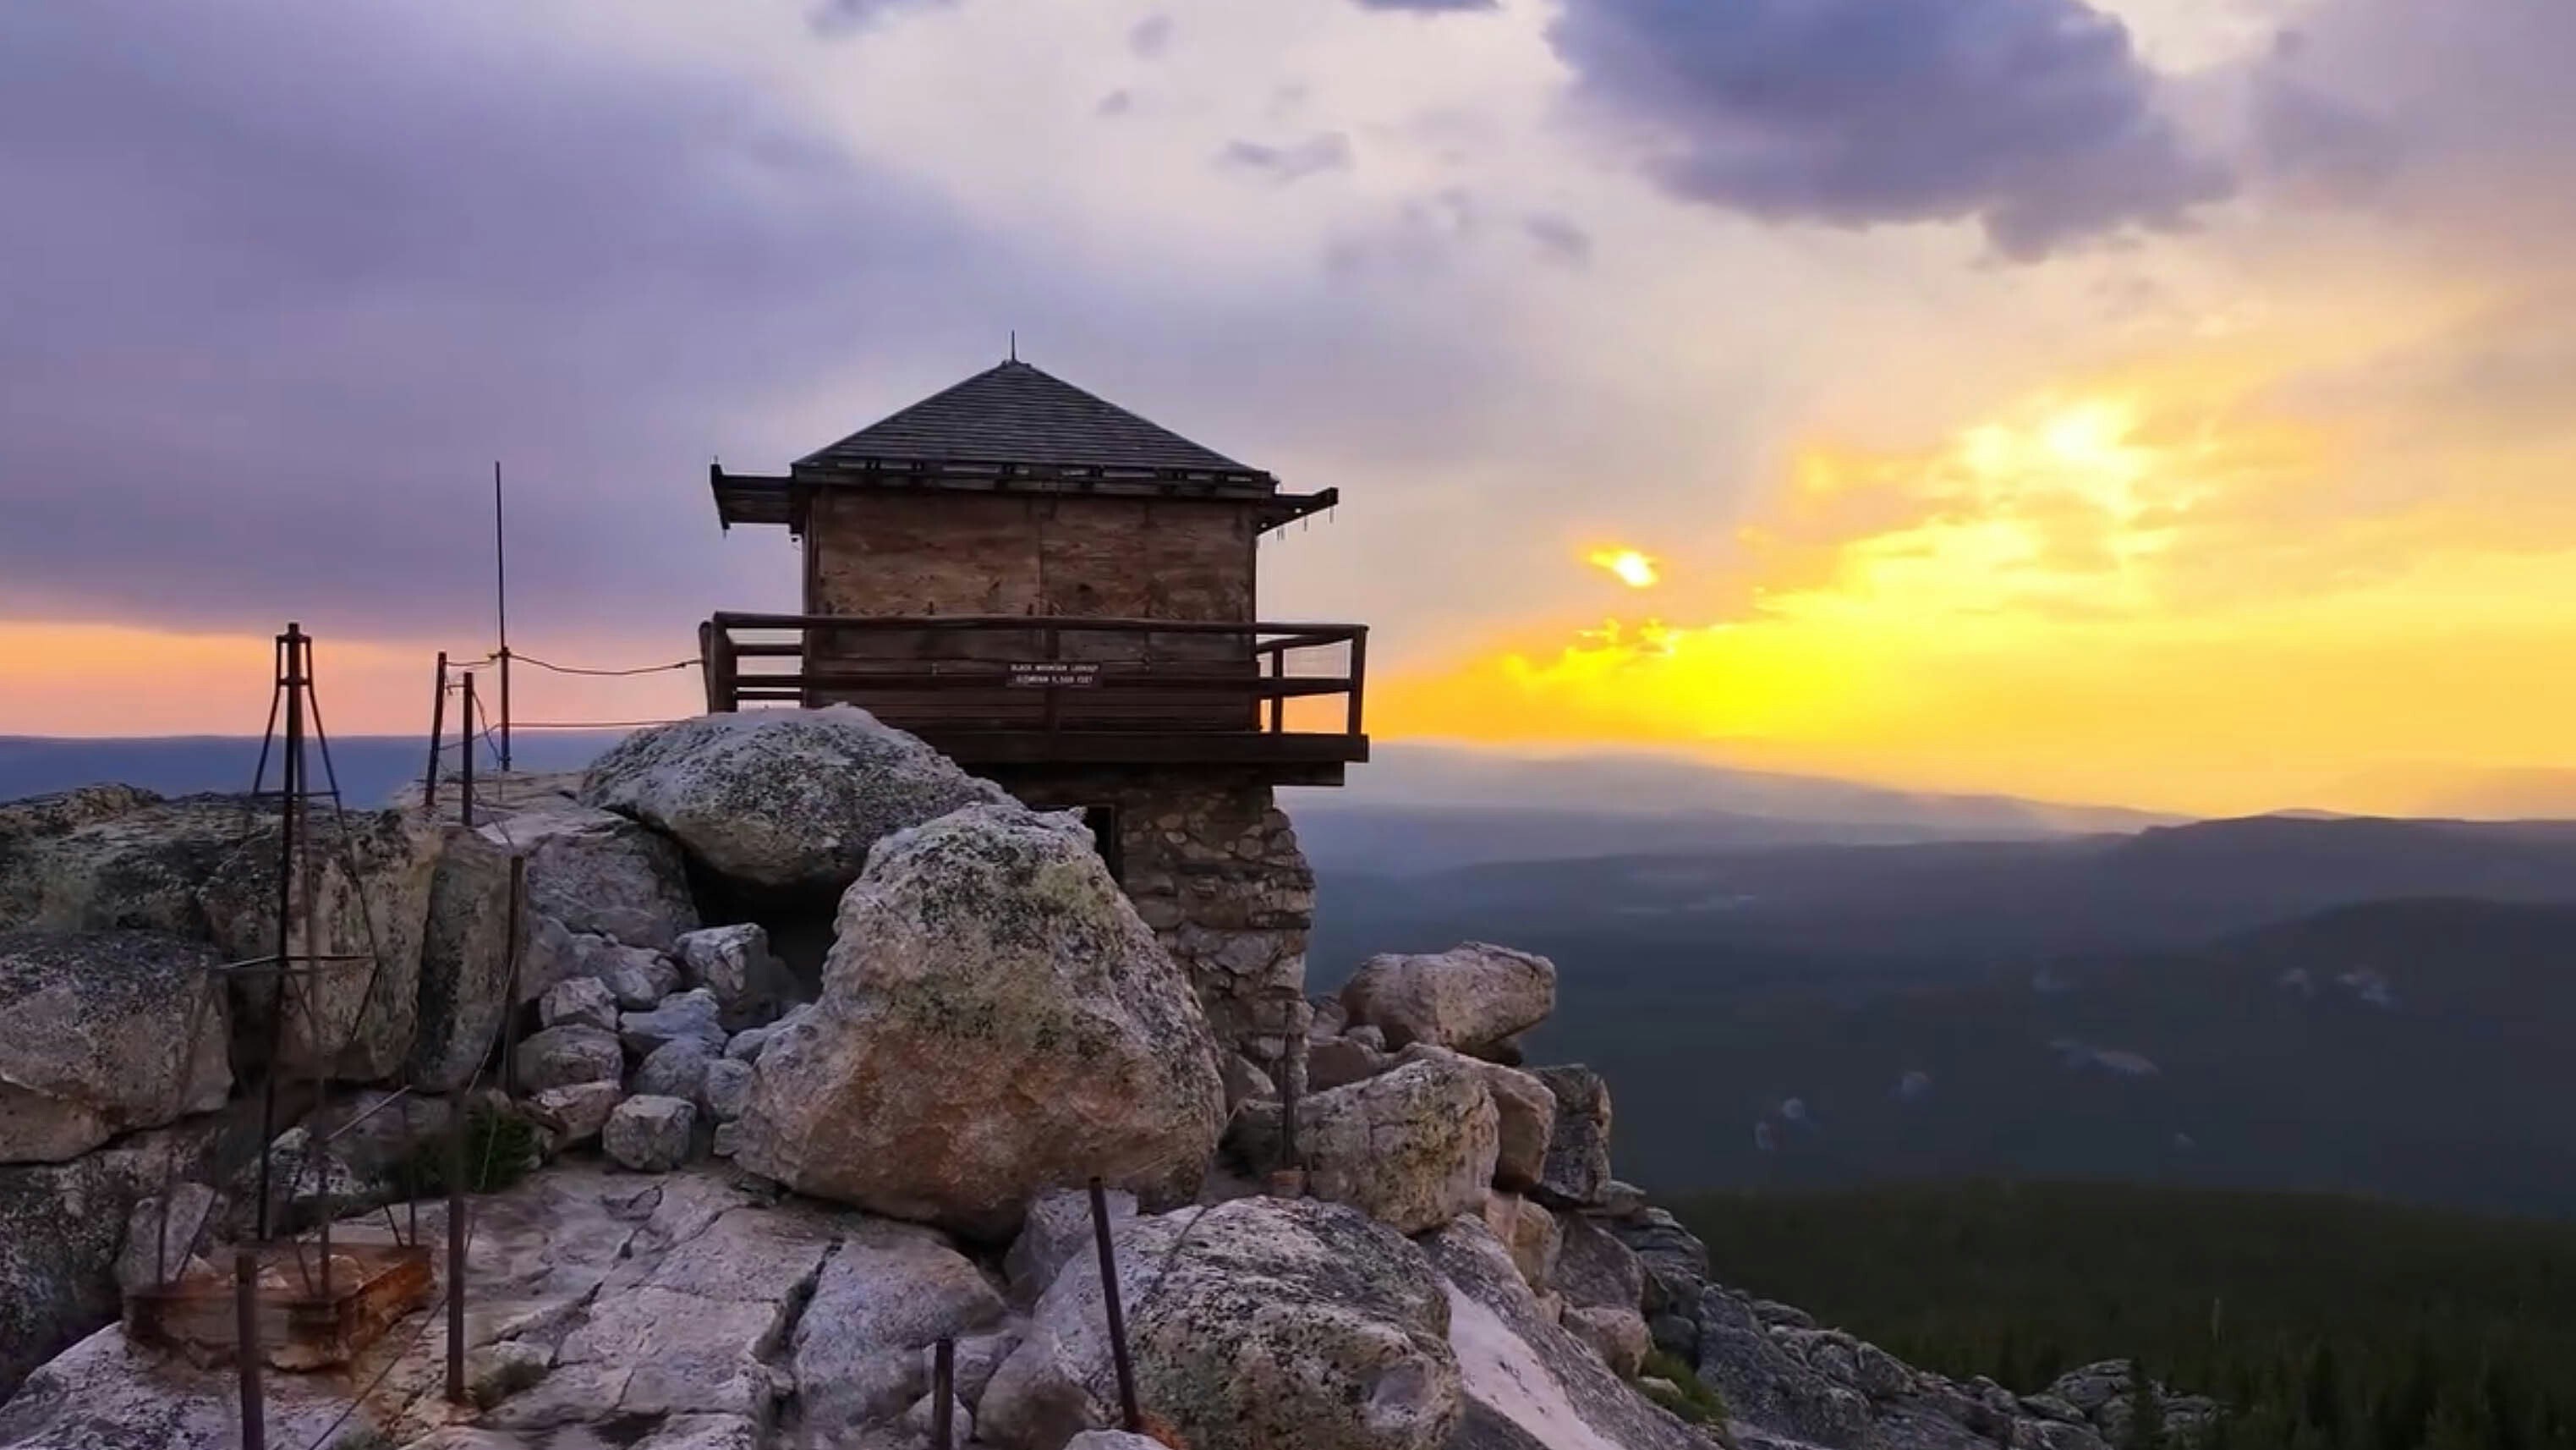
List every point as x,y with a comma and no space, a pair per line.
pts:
1077,557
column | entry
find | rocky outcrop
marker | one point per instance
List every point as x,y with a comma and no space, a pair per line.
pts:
638,977
465,961
62,1226
994,1021
785,801
103,1034
1528,1382
889,1293
689,1016
1474,997
363,901
1257,1323
600,874
563,1056
106,859
1577,1170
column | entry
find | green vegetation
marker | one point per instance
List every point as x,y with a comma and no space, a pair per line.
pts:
500,1149
1689,1399
2325,1323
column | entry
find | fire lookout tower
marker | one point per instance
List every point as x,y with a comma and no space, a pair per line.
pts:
1060,596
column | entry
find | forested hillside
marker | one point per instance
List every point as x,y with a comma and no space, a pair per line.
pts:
2329,1324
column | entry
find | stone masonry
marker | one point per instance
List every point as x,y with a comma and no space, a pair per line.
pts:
1212,865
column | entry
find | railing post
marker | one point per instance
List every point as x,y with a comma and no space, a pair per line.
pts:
456,1120
943,1390
465,782
1130,1421
437,738
510,994
246,1349
1279,689
1359,674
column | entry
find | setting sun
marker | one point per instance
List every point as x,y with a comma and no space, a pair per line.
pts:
1632,568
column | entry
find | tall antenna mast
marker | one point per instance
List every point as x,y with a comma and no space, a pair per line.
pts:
501,607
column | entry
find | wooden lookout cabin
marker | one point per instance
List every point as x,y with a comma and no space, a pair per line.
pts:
1062,597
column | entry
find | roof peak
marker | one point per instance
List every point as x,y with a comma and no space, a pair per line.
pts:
1016,413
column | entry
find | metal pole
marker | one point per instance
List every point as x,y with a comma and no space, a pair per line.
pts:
1131,1421
246,1347
943,1389
510,995
456,1249
1288,1113
291,784
501,607
437,738
466,785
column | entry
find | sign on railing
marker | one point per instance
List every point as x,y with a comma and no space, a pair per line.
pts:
1054,674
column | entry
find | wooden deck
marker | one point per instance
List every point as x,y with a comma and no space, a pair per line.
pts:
1034,690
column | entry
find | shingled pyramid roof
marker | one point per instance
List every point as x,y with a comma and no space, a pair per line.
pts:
1014,415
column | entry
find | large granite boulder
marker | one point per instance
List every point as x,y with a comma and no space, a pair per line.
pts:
103,1034
106,858
1529,1383
1474,997
1594,1270
601,874
650,1134
1525,1115
1413,1147
995,1020
1765,1385
1258,1323
466,962
369,875
782,801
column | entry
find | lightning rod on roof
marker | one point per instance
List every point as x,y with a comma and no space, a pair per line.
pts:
1015,344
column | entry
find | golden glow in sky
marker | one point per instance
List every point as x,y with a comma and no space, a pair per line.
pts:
1632,568
2150,589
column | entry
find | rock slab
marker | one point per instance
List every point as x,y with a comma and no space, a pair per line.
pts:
105,1033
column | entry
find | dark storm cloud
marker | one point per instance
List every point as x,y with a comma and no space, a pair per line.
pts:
1325,151
2036,118
281,282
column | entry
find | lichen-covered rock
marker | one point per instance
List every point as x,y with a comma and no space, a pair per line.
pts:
102,1034
734,964
161,1239
891,1292
99,859
601,874
579,1002
1529,1233
994,1021
1413,1147
576,1112
61,1228
1525,1115
563,1056
1473,997
1258,1323
1527,1380
649,1134
1577,1170
1340,1061
782,800
1594,1270
683,1016
369,874
1674,1260
465,961
1765,1385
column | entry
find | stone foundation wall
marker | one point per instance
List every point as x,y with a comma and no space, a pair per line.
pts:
1212,865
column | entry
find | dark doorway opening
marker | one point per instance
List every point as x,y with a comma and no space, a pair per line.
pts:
1103,821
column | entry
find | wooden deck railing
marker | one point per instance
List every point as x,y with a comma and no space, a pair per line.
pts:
946,675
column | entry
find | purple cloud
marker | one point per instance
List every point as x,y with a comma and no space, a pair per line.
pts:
1325,151
2033,117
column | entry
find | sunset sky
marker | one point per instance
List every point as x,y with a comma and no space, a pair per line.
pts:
2166,403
